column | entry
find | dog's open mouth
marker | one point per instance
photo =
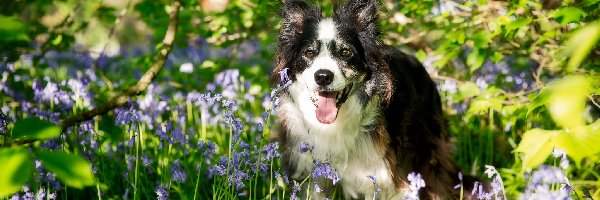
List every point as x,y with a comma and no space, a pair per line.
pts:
328,102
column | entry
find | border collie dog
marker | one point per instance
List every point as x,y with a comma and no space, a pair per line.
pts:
367,109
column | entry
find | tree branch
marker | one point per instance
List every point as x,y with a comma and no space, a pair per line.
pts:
142,84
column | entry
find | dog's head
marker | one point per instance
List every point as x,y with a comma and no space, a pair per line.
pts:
330,60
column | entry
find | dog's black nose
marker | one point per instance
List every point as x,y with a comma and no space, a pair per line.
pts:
323,77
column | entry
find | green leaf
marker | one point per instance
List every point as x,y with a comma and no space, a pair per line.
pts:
35,128
16,168
71,169
57,40
13,29
580,143
469,89
536,146
481,39
475,59
421,55
580,44
568,100
540,99
569,14
517,23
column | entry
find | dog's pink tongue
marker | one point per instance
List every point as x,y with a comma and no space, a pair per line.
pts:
326,110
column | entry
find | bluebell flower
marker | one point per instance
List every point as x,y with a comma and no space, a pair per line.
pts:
4,120
479,192
278,178
237,177
28,193
26,187
325,170
218,169
244,145
317,188
283,75
564,161
162,130
548,175
177,172
229,104
52,196
126,194
416,183
270,151
178,136
239,158
79,88
496,184
200,145
127,116
146,161
131,141
129,161
373,179
460,178
295,190
51,144
86,127
259,127
161,194
304,147
210,149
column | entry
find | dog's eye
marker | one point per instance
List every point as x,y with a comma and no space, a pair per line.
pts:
309,53
346,53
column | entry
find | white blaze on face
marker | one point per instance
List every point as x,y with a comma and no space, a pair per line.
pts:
326,33
326,95
326,30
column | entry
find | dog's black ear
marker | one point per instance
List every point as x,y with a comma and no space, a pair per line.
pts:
296,16
363,14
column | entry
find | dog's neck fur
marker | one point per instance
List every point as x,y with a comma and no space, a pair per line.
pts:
347,143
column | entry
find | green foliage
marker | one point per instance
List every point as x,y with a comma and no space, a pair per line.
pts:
581,44
12,29
73,170
565,99
17,168
34,128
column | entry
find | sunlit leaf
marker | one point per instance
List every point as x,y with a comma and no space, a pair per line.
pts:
538,100
517,23
580,143
580,44
569,14
567,101
16,168
481,39
13,29
35,128
483,105
57,40
469,89
475,59
71,169
536,146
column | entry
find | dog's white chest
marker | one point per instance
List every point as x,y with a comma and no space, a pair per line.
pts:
346,144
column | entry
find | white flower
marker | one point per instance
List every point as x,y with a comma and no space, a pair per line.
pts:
186,68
